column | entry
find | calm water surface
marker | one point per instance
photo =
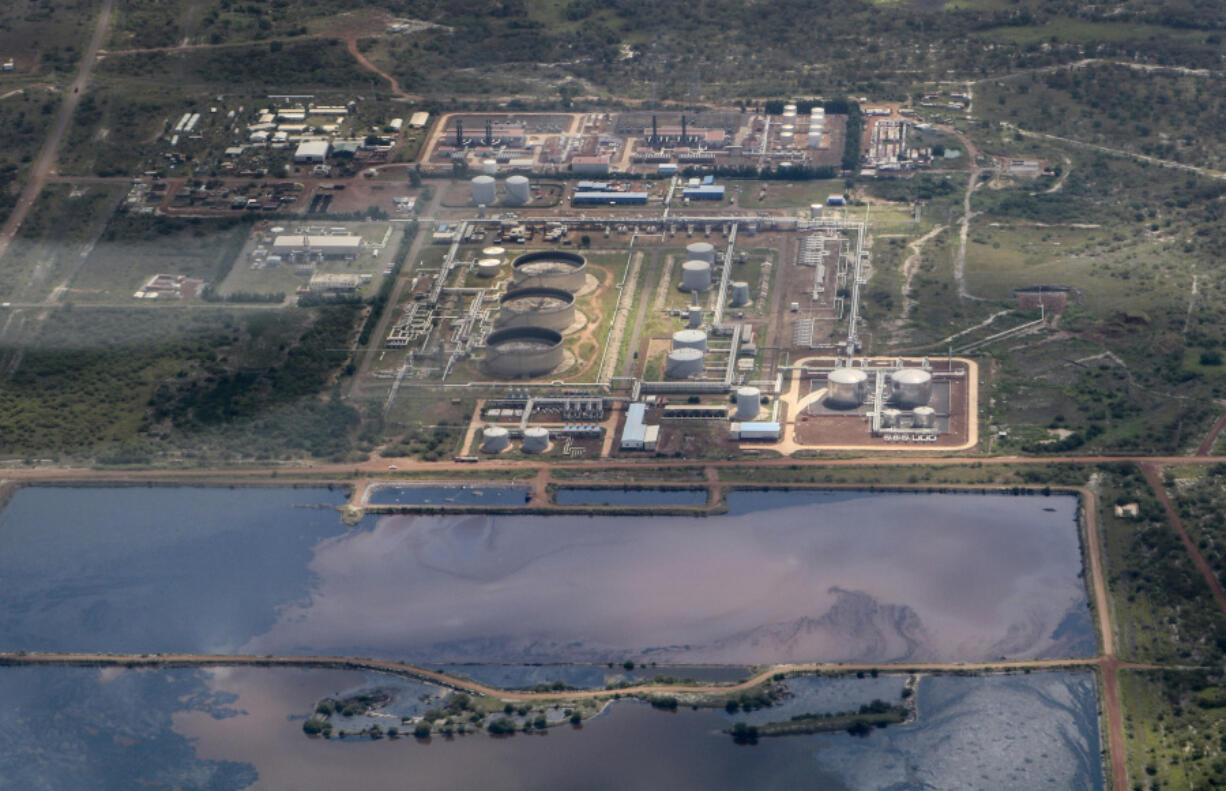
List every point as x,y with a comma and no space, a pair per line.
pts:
797,576
501,496
630,497
230,729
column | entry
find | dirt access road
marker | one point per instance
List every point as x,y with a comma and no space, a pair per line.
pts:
46,158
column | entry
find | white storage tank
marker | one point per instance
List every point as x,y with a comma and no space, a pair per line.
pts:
695,276
695,319
518,189
845,388
740,293
494,252
489,166
536,439
924,417
748,403
484,190
690,339
683,363
488,267
700,251
495,439
911,387
889,418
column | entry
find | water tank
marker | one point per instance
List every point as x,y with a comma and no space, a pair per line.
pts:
488,267
889,418
924,417
845,388
695,276
690,339
536,306
522,352
484,191
536,439
495,439
550,268
489,166
518,189
683,363
911,387
748,402
740,293
700,251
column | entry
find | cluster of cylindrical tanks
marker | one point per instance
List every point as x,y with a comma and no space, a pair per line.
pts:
485,188
523,352
539,304
536,306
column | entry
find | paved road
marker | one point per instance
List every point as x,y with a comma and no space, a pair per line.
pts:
46,158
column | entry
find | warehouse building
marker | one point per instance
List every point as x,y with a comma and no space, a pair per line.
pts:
311,152
636,434
605,198
756,431
346,246
590,166
704,192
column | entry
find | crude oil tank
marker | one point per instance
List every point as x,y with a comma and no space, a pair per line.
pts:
690,339
700,251
536,439
695,276
488,267
911,387
536,306
923,417
484,190
522,352
551,269
518,189
494,252
683,363
740,293
495,439
845,388
748,402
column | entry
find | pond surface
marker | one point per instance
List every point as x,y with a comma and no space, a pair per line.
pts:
491,496
226,729
630,497
784,576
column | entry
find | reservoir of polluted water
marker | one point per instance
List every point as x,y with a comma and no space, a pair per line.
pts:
782,577
490,496
227,729
631,497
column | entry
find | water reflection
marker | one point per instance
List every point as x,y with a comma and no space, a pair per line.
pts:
834,578
826,576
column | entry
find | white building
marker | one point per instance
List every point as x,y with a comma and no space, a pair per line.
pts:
312,151
418,120
327,246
